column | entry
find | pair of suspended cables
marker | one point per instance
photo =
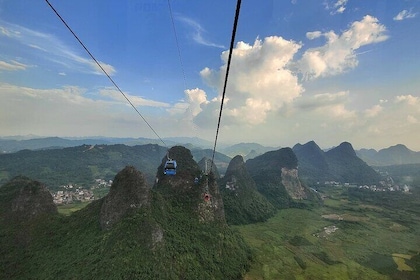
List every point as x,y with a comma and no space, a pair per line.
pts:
104,71
238,6
232,42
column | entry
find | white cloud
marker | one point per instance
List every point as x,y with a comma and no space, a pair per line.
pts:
338,54
71,111
412,120
5,31
198,32
405,14
115,95
259,82
409,99
12,66
313,35
336,7
53,49
321,100
374,111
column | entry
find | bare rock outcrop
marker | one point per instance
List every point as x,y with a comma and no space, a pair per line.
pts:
290,180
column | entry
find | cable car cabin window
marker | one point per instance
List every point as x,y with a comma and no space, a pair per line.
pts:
170,166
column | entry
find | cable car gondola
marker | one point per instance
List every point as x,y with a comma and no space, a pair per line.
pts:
170,167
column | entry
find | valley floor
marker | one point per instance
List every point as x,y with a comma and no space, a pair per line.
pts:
341,240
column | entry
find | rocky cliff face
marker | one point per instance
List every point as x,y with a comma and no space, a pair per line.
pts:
290,180
276,176
211,206
128,192
205,165
25,199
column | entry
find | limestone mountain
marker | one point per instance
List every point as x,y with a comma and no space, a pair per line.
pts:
276,176
201,197
24,200
246,150
174,230
339,164
24,204
220,160
243,203
345,166
312,162
128,192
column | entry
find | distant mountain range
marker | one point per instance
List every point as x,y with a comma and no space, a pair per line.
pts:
246,150
14,144
394,155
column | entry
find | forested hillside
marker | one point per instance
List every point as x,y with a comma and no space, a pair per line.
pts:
136,232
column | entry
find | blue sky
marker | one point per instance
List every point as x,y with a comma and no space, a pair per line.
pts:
328,71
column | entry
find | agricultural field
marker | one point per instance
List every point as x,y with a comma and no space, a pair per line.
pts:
68,209
346,238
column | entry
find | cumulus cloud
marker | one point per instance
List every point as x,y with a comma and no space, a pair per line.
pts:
55,49
405,14
264,90
408,99
12,66
260,81
338,54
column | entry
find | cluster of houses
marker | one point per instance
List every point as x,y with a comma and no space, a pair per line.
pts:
384,187
327,231
71,193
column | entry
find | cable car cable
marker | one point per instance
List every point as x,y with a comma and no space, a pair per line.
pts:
103,70
235,24
177,44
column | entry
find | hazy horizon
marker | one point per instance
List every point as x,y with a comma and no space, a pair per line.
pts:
219,145
327,71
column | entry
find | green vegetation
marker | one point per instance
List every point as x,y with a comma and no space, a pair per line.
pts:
349,237
168,237
67,209
74,247
80,165
242,202
251,208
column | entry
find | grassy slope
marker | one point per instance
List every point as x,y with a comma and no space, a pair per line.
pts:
287,247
